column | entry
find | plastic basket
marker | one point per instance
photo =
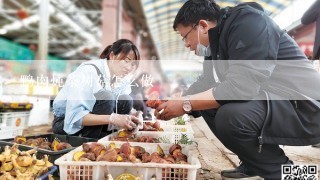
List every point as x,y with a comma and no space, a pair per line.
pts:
99,170
74,141
172,122
10,132
14,119
51,171
164,137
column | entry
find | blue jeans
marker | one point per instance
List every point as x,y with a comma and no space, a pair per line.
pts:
105,105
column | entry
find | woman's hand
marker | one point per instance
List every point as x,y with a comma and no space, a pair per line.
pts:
124,121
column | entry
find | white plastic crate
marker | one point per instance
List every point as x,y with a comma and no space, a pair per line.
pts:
70,169
166,137
14,119
10,132
172,122
177,128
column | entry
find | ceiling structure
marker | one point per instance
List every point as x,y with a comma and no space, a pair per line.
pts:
74,25
71,23
160,15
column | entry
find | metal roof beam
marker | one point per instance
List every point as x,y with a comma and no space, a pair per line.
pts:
51,41
16,3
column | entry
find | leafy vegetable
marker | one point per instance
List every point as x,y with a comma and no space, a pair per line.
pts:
180,121
185,140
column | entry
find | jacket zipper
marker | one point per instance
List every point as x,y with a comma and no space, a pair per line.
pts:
260,138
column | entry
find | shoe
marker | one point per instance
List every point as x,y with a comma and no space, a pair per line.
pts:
241,172
316,145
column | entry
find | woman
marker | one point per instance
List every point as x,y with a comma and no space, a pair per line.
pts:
96,95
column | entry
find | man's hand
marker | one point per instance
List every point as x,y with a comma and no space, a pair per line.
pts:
170,109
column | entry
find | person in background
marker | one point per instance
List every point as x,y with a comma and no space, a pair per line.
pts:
155,90
257,68
310,16
166,87
139,98
177,92
181,82
96,95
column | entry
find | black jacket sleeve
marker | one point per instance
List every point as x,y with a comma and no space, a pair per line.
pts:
205,81
252,42
311,14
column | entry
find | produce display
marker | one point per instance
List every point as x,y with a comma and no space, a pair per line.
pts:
43,143
15,106
151,126
125,135
128,153
16,164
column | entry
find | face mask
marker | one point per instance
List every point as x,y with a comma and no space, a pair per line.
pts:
201,49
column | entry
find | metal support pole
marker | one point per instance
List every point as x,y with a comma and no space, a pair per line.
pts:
119,20
40,63
139,34
43,29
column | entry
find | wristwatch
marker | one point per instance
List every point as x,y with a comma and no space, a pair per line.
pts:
187,104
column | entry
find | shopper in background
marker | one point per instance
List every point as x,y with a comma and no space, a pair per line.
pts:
250,55
96,94
139,97
310,16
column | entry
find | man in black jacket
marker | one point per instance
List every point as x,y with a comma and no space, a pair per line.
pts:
262,73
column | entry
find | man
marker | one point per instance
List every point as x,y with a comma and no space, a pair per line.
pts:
255,61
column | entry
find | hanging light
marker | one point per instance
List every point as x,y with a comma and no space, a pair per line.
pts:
22,14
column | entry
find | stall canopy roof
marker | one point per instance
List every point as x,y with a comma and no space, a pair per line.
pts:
160,15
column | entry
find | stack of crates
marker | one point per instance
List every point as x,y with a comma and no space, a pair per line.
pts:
14,119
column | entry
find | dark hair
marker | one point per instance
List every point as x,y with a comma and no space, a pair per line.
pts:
121,46
193,11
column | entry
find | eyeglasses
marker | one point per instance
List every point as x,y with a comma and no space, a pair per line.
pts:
184,39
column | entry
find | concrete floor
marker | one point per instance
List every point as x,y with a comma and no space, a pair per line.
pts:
213,156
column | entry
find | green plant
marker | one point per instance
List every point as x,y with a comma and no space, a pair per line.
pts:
180,121
185,140
164,139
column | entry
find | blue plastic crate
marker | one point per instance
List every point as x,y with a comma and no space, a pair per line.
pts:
51,171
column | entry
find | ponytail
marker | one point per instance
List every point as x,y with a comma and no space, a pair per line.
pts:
106,53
